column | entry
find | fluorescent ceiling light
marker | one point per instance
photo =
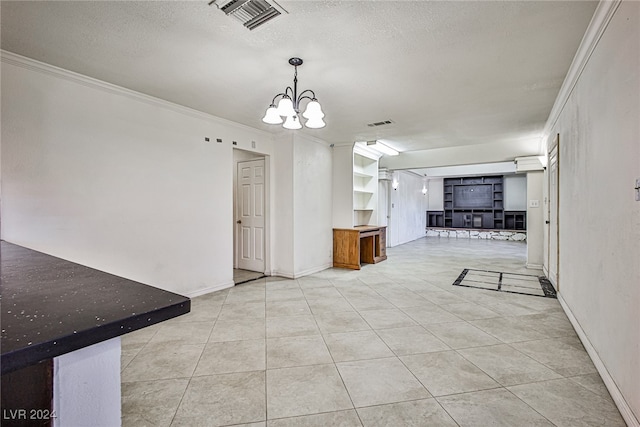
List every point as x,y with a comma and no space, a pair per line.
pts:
385,149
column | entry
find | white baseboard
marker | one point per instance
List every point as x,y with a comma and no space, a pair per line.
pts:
412,239
313,270
298,274
285,274
616,395
534,266
210,289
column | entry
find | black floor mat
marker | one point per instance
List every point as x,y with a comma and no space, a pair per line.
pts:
516,283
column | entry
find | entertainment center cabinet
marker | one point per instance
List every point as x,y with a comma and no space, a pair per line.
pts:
476,202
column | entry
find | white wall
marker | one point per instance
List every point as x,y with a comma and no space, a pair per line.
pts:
116,180
408,209
312,220
302,205
125,183
86,386
515,192
282,214
599,220
342,186
435,194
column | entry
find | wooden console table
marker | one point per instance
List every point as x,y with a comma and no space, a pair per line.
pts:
355,246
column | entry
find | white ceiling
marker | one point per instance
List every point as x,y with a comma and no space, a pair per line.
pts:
451,73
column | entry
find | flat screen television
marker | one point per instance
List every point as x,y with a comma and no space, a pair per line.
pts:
477,196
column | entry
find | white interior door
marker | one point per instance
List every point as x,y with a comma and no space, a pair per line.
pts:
250,229
553,252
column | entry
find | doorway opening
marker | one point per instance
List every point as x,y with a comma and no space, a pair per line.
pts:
243,276
250,216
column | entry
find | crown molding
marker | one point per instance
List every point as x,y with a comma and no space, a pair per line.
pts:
61,73
599,22
343,144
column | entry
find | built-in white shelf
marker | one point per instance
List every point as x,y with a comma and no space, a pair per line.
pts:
355,186
365,188
362,174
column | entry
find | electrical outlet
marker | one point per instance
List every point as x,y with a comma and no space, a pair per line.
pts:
534,203
253,144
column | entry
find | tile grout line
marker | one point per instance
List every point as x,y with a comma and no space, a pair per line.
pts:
335,366
374,290
402,361
198,362
529,406
266,352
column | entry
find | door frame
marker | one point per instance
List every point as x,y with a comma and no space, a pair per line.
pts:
555,146
240,155
383,203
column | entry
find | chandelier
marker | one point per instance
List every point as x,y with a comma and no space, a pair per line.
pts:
289,106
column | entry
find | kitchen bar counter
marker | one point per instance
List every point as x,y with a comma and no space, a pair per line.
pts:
52,307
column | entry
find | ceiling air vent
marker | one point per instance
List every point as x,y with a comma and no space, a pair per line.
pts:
251,13
382,123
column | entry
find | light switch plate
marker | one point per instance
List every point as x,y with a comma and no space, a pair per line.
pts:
534,203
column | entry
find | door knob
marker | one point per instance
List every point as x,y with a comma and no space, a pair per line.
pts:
547,222
238,222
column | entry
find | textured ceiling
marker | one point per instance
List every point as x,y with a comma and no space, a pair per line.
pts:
450,73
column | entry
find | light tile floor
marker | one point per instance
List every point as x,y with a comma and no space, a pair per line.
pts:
394,344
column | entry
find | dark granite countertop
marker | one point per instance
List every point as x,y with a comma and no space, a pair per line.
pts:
51,306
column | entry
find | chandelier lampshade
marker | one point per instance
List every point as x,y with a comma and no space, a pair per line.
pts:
313,111
315,123
285,107
289,106
271,116
292,122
